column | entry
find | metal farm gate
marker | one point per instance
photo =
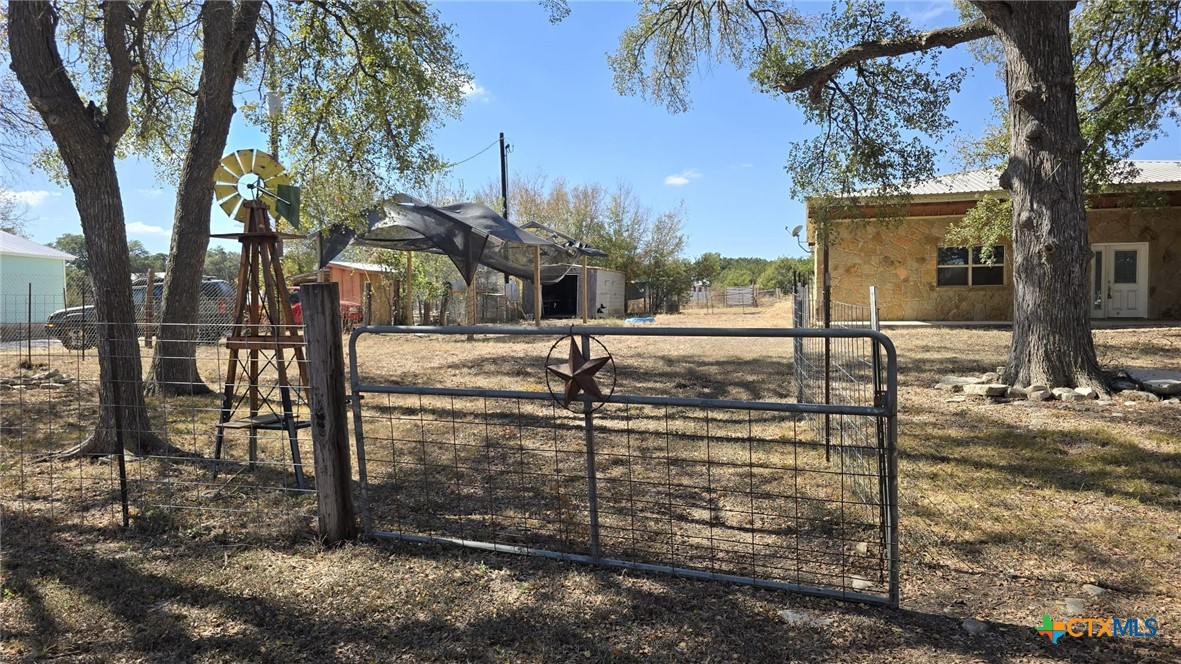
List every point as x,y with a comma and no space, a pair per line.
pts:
576,455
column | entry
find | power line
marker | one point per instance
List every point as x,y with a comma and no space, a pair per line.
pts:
451,165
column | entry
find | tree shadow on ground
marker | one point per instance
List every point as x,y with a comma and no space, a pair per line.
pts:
434,603
1074,460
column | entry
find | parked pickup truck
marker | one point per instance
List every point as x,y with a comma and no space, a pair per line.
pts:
76,327
351,313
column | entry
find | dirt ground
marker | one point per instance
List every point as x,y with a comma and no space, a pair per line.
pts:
1006,510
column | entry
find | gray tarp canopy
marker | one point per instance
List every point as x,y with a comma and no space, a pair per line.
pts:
469,234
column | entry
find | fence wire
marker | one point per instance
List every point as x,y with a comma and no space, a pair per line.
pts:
844,371
719,488
52,404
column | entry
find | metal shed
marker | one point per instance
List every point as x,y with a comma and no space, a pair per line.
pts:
563,299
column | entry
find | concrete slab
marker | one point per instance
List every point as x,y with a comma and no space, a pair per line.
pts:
1157,381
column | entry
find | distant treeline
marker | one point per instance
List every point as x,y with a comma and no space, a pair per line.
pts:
765,273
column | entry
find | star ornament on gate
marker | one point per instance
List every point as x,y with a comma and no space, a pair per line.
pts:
578,374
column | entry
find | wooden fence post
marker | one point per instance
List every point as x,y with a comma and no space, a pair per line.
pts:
330,440
367,304
149,307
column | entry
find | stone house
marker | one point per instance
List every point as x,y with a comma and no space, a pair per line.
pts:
1135,269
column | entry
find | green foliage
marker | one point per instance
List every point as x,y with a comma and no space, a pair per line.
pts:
784,272
871,117
878,116
1128,78
740,271
142,260
707,267
669,282
986,225
224,264
877,120
75,244
79,287
363,86
671,41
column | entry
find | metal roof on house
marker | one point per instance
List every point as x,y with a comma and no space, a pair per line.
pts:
986,180
364,267
15,245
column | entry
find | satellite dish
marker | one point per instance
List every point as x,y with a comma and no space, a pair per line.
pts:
795,232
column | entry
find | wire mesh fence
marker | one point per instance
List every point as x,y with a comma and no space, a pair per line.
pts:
702,296
730,489
64,412
843,371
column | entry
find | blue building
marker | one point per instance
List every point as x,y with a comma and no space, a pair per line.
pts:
24,264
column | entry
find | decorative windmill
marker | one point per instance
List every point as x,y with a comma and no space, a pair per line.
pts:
249,186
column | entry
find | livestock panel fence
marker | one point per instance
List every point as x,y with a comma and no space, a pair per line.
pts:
597,445
845,371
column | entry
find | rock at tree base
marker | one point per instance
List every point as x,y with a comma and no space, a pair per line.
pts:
990,390
957,383
1157,381
1138,396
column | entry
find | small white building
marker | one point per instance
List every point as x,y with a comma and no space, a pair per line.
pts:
563,299
27,266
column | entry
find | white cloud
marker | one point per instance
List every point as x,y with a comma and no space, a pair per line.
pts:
922,12
150,192
681,179
141,228
30,198
473,90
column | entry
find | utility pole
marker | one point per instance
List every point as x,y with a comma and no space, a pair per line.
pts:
504,148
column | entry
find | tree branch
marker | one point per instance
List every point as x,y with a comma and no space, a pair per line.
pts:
814,78
117,20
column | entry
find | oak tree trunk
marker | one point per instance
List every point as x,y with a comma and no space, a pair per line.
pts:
86,141
227,33
1052,342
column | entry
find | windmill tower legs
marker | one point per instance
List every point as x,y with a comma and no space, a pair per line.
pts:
264,327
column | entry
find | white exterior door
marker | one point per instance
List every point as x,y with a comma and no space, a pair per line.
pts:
1119,280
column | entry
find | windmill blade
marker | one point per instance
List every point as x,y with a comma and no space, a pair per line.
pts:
233,170
266,166
230,206
273,183
223,190
224,175
246,159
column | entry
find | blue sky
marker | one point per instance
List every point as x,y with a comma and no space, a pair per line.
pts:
549,89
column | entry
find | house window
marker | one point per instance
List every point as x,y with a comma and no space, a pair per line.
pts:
960,266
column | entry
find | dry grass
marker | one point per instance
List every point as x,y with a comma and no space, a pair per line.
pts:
1006,510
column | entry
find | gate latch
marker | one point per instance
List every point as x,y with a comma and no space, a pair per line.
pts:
879,399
